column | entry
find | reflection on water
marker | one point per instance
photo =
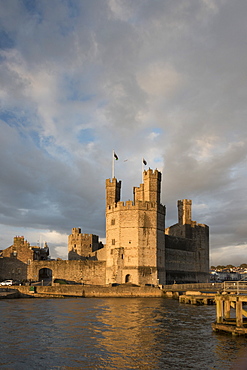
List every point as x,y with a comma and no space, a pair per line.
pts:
118,333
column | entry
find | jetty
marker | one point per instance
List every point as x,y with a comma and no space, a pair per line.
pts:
231,317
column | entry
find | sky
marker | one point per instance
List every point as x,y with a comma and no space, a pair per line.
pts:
163,80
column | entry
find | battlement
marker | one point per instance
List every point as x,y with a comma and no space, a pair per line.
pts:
139,205
155,174
197,224
112,182
19,240
76,230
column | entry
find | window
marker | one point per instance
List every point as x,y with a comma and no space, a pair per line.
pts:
113,241
113,221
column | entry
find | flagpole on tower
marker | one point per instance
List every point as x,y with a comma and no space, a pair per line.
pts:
144,163
114,157
142,170
113,166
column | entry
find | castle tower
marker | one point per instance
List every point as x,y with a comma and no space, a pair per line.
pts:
152,182
81,246
184,211
135,246
150,190
113,191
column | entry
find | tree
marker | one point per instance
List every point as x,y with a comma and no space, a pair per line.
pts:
220,267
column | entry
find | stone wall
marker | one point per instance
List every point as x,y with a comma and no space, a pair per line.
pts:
90,291
87,272
12,268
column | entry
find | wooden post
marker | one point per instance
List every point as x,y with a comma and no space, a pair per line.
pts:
227,309
219,309
239,315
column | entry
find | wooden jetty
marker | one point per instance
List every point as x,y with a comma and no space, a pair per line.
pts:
231,317
197,298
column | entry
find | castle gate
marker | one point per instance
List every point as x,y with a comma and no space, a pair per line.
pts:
45,274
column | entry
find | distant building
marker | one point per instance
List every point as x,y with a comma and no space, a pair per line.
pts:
83,246
14,260
187,248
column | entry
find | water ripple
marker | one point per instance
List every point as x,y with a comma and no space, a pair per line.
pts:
112,334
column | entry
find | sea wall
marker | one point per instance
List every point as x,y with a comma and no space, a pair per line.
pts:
87,291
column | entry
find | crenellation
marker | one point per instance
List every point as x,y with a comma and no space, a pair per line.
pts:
139,205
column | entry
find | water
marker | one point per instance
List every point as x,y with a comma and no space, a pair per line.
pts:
113,333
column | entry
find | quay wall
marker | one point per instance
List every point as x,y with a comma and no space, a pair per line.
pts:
88,291
169,291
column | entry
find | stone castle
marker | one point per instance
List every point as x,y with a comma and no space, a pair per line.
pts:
138,249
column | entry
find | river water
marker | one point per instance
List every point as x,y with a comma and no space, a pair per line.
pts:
113,333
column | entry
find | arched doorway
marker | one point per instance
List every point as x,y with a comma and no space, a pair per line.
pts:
127,278
45,275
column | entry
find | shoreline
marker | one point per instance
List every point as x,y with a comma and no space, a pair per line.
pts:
88,291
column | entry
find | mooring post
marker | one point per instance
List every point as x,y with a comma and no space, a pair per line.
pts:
239,315
219,309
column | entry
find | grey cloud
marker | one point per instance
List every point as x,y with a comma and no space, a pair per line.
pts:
83,65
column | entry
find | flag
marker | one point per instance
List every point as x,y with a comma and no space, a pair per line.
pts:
144,162
115,156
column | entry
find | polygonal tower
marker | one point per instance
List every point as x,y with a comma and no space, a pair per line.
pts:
135,240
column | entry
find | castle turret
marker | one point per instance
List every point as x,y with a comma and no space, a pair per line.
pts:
113,191
152,181
184,211
150,190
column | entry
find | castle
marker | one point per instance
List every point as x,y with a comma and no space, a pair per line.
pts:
138,249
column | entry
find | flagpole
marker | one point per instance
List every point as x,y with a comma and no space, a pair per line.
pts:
113,169
144,163
142,169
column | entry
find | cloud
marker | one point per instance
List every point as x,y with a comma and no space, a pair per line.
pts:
161,80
